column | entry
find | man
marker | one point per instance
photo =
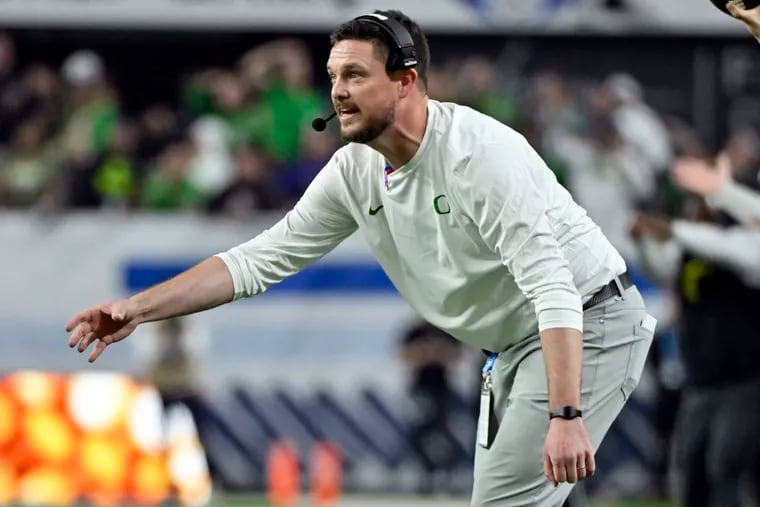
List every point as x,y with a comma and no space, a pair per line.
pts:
475,232
750,17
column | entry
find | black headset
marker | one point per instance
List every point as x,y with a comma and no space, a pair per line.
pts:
402,53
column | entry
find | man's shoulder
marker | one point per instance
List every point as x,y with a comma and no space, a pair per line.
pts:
466,129
353,155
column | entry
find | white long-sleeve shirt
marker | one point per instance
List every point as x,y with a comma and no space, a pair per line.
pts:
739,201
474,231
734,248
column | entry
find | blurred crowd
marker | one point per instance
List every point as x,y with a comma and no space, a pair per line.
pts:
238,140
236,144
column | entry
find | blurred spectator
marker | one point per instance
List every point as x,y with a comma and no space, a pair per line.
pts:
116,176
607,177
716,276
28,172
743,152
429,353
173,371
555,109
295,175
441,83
249,191
477,88
91,116
211,169
279,76
716,184
166,186
158,128
621,98
10,90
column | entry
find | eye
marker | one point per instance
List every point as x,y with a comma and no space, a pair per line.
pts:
354,74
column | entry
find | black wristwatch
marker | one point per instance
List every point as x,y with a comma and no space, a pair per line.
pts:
566,413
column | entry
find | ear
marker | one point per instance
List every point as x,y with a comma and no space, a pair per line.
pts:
407,80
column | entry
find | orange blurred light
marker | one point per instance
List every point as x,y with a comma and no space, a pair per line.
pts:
46,486
48,435
104,461
9,413
7,482
150,480
98,401
34,389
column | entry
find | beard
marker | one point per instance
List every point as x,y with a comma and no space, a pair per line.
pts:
372,128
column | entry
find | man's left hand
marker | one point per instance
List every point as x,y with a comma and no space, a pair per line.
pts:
568,455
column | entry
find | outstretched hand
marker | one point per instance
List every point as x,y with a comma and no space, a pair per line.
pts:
104,324
696,175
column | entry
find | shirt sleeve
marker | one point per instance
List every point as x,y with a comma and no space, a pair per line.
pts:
504,189
736,248
318,222
739,201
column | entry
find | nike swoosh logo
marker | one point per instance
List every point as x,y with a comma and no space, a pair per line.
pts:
373,212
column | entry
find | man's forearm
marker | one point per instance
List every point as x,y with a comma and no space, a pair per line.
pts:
563,356
204,286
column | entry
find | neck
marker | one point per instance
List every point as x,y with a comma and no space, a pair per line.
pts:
400,141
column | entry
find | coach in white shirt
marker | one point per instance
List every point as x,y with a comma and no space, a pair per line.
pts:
475,232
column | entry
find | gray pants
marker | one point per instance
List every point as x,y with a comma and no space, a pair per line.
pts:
616,339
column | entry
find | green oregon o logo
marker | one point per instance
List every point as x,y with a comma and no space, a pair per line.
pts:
441,205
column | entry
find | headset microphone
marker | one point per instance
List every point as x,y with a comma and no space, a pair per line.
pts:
319,124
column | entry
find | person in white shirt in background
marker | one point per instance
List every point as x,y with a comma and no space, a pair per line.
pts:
750,17
714,182
477,235
621,97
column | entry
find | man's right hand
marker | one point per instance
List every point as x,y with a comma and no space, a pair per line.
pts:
104,324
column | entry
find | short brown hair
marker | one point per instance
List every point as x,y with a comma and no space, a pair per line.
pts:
358,30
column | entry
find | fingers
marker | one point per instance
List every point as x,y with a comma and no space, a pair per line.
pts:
590,464
99,348
120,333
560,472
78,319
569,469
736,8
549,470
79,332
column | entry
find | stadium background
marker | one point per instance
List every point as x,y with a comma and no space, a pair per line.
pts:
320,357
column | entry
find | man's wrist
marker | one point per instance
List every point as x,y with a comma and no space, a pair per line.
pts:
566,412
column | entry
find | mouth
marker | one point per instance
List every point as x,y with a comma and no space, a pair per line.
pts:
346,113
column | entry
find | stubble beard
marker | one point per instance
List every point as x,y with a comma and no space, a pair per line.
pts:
373,128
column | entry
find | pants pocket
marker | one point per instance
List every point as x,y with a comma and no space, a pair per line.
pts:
643,334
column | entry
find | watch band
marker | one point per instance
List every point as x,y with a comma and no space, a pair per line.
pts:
566,413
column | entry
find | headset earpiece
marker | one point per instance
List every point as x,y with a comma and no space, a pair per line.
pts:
402,53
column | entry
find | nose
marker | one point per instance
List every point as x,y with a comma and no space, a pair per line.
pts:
339,91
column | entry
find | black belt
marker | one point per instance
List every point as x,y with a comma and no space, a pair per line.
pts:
610,290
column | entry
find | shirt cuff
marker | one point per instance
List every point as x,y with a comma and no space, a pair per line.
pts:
560,318
233,267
